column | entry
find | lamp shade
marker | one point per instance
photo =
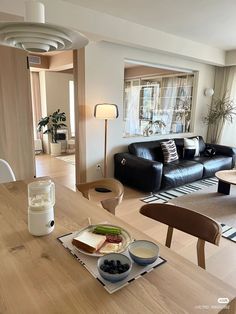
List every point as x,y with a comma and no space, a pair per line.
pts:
106,111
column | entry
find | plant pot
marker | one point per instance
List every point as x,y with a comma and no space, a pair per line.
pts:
55,149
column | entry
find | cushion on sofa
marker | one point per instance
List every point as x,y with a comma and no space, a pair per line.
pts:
181,172
179,142
202,145
209,151
169,151
213,164
148,150
190,145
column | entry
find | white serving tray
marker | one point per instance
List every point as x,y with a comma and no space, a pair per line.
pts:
90,263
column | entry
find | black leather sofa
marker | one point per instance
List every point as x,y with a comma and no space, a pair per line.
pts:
142,166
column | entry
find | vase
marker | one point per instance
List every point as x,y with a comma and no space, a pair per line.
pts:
55,149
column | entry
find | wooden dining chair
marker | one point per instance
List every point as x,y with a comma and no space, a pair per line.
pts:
114,186
188,221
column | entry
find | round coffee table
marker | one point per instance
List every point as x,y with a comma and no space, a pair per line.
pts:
226,178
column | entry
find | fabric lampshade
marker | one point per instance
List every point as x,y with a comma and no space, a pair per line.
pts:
106,111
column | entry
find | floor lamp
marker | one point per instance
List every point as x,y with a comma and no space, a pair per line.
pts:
105,112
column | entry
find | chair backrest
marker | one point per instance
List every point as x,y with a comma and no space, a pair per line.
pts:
109,183
188,221
6,173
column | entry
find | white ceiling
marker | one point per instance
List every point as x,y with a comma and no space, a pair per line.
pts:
212,22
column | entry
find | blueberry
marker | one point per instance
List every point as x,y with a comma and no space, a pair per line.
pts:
102,267
112,271
106,268
114,267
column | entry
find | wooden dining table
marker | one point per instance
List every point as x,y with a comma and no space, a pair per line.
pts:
38,275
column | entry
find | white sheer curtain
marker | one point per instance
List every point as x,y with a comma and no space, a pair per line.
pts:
165,105
132,126
168,101
225,81
36,102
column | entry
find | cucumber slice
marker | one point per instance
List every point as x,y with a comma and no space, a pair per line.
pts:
107,230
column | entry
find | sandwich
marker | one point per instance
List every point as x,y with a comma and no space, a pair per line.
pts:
89,242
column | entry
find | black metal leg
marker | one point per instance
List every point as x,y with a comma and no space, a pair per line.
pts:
223,187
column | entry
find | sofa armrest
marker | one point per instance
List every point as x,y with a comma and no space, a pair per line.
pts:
225,150
138,172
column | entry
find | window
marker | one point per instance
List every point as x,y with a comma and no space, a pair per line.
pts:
72,108
158,105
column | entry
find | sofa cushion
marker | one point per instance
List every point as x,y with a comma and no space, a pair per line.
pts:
181,172
209,151
179,142
191,144
148,150
213,164
189,153
169,151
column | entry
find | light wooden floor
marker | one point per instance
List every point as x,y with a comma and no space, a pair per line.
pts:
220,261
55,168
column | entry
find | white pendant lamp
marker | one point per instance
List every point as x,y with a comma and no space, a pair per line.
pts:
35,35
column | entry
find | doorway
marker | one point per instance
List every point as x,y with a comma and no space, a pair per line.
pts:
52,88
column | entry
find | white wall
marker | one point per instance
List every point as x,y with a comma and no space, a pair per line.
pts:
100,26
104,68
228,135
57,93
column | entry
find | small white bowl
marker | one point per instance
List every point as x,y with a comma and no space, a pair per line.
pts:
117,276
143,252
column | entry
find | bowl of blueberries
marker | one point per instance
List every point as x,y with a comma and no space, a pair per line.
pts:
114,266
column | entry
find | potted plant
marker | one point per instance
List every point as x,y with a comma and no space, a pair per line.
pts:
221,110
53,122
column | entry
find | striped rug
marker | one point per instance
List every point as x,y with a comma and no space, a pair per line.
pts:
228,232
166,196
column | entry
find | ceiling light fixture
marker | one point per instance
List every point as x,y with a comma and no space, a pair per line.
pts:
35,35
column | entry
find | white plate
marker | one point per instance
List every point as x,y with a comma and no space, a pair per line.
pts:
126,240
